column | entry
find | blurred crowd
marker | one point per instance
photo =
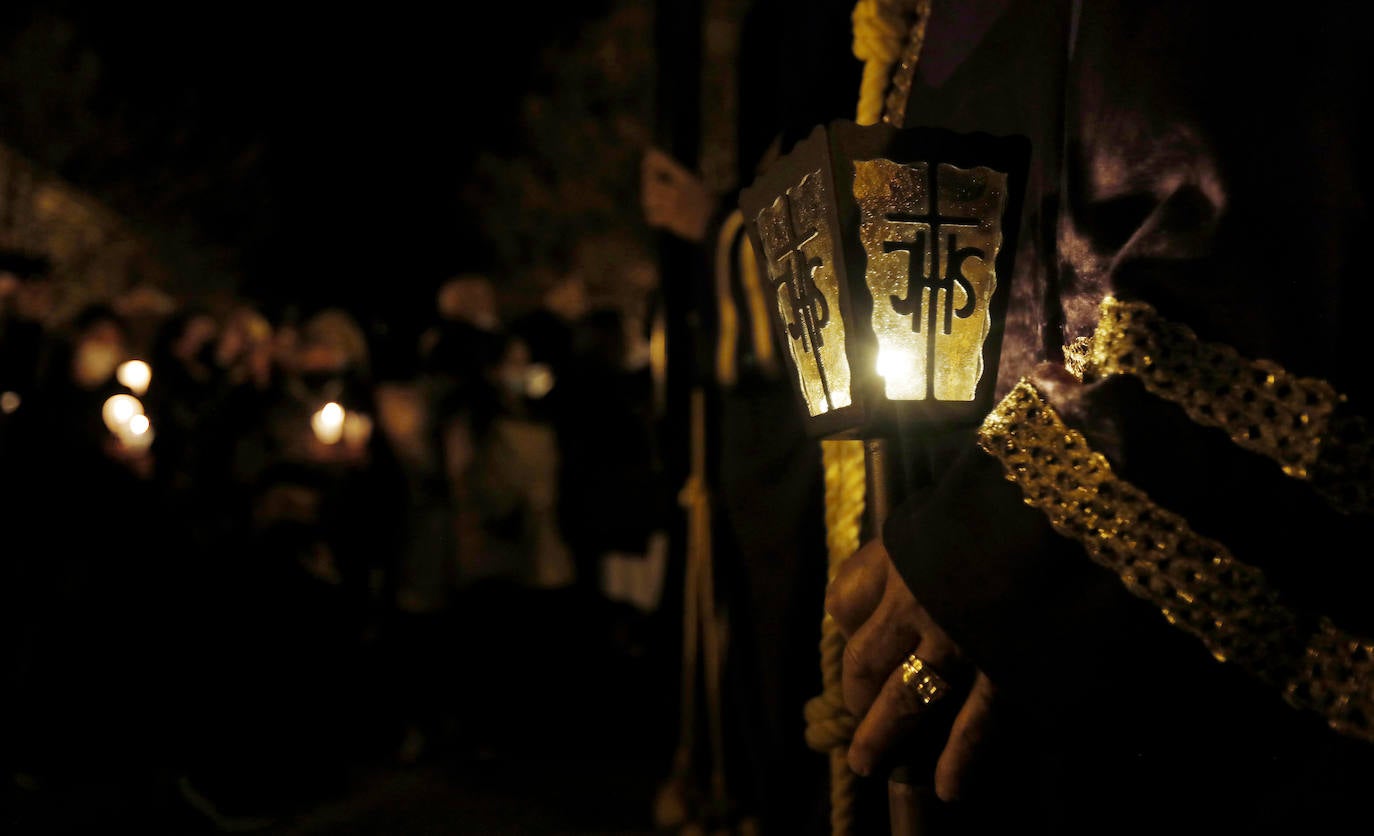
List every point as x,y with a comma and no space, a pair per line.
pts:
244,550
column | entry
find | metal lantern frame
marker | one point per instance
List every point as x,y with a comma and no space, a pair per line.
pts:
830,153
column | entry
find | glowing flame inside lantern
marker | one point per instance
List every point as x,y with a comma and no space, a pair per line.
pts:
328,423
894,364
135,374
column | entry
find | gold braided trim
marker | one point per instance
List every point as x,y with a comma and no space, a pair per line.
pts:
1263,408
829,725
1193,580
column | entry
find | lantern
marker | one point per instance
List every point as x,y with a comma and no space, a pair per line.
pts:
889,253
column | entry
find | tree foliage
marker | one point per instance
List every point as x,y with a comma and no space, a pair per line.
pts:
566,197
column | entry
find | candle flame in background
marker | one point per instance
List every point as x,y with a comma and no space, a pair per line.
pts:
137,433
124,417
117,411
135,374
328,423
9,402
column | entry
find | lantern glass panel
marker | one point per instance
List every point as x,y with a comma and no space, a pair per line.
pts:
931,237
799,250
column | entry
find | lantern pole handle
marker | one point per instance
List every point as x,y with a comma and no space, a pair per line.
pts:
888,39
881,484
912,806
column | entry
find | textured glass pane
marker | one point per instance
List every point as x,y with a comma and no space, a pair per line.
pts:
799,249
932,272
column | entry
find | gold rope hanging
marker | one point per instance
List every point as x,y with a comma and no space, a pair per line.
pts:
702,643
830,726
888,35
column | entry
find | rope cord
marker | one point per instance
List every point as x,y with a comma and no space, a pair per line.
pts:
727,343
703,636
700,639
880,32
883,29
829,725
698,499
691,602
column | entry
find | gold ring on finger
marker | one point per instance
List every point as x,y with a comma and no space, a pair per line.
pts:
921,678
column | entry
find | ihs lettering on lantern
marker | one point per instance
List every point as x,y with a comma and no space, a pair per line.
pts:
800,253
931,236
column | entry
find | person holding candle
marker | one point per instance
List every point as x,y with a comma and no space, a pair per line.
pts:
89,579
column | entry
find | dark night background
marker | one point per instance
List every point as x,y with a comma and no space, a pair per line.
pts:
287,160
357,156
296,153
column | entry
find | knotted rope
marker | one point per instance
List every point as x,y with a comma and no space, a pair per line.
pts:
829,726
880,34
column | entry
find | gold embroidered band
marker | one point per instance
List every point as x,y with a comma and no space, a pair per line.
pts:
1193,580
1292,420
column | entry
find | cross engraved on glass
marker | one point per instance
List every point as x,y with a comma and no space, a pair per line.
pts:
931,236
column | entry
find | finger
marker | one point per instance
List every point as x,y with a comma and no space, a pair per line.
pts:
857,587
896,713
967,737
879,646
